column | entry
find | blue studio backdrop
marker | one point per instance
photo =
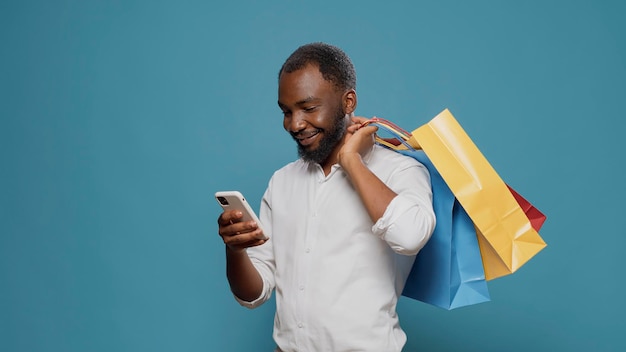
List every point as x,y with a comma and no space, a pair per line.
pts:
120,119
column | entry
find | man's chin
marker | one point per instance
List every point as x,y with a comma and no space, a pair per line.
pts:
311,154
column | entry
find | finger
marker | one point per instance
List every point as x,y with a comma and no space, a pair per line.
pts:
229,217
359,120
353,128
243,246
368,130
238,228
244,239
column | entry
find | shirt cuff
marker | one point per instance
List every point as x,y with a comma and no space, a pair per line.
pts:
396,215
253,304
398,205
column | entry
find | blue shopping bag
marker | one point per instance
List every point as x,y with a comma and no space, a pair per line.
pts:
448,272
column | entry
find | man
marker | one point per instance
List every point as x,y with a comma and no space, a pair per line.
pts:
342,223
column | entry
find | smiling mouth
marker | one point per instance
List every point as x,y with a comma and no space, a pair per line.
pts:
305,138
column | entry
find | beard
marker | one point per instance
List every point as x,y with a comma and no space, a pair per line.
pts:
329,141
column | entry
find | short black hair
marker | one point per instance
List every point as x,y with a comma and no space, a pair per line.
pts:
334,65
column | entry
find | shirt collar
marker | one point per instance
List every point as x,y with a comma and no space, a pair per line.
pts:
367,157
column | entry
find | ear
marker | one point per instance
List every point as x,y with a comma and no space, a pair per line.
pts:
349,101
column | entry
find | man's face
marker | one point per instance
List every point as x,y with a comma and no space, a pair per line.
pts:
313,112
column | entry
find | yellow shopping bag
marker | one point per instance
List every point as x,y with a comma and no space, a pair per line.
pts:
505,235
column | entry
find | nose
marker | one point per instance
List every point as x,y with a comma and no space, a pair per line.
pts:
295,122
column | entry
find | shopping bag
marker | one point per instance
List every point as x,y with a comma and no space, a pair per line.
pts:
536,218
448,271
506,236
534,215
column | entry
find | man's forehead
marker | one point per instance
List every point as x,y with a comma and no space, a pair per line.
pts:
306,72
308,77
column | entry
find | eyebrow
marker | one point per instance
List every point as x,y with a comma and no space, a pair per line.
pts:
301,102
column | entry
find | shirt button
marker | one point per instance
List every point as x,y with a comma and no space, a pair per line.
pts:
301,287
300,325
307,250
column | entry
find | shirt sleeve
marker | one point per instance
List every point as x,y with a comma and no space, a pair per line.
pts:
262,256
409,220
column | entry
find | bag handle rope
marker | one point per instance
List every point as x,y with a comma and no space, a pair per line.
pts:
403,139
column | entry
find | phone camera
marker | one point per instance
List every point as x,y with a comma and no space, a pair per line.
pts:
222,200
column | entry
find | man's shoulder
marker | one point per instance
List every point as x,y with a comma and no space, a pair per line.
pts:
389,158
294,167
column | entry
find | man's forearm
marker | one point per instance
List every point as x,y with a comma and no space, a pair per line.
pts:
374,194
245,281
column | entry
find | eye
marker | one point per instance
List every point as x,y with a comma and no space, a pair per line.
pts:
309,108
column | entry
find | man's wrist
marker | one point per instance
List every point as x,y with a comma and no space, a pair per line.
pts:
350,159
234,251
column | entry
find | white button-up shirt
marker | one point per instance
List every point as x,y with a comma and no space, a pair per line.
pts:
337,275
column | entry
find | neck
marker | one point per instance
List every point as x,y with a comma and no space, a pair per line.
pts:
332,158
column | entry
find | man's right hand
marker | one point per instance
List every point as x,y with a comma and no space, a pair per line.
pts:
239,235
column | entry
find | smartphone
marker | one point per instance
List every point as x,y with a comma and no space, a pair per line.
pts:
234,200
